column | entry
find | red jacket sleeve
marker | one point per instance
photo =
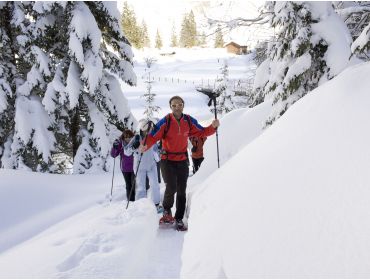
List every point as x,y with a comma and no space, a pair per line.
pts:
197,130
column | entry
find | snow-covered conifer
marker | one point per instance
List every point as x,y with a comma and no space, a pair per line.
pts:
68,77
219,40
188,32
150,108
225,95
311,47
144,36
7,71
174,41
31,140
356,15
94,92
158,40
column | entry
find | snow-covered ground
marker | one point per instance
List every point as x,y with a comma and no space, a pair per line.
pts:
57,226
295,202
291,201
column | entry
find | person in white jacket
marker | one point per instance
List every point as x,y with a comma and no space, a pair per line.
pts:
148,165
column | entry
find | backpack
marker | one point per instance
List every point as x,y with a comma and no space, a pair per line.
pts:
168,122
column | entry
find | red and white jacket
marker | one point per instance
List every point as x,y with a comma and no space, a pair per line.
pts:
175,142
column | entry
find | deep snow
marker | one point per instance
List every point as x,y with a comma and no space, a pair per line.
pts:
294,197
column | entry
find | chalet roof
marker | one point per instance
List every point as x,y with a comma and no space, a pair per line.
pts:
234,44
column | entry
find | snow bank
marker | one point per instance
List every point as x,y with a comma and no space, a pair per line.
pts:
104,241
31,202
238,128
295,202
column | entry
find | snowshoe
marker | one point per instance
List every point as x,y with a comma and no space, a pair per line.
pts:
180,226
166,218
159,209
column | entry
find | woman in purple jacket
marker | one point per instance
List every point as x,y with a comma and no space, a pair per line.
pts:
127,162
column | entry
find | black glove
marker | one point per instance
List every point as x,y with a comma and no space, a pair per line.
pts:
116,144
136,142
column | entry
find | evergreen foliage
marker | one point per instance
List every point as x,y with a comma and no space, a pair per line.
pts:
158,40
225,103
260,52
174,41
61,95
145,41
298,59
133,32
149,96
202,39
219,40
188,34
356,15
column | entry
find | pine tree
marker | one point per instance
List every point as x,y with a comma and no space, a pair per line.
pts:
158,40
7,84
149,96
68,101
300,59
130,27
188,35
29,139
260,52
225,103
202,39
219,40
174,42
356,15
144,35
192,30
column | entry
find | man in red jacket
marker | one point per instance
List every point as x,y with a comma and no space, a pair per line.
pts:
174,163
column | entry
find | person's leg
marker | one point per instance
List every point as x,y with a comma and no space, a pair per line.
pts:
147,184
159,171
182,178
133,186
140,184
170,178
200,162
195,164
128,176
154,186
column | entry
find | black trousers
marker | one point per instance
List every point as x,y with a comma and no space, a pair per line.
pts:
175,176
196,163
130,184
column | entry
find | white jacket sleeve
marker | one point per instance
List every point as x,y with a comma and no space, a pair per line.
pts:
128,150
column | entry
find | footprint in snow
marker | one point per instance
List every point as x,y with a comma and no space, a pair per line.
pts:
88,247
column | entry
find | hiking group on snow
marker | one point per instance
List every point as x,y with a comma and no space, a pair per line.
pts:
140,155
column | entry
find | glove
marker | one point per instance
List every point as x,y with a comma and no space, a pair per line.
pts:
136,142
116,144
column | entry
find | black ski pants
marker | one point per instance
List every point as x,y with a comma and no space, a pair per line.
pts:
196,163
175,175
130,181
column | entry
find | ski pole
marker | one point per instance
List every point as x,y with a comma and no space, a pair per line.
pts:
111,189
218,154
137,168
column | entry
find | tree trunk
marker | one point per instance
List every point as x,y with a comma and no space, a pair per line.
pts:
75,128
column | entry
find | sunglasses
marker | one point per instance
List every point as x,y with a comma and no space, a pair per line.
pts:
177,105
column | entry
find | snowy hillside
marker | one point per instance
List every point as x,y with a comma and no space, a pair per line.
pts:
65,227
294,203
290,201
